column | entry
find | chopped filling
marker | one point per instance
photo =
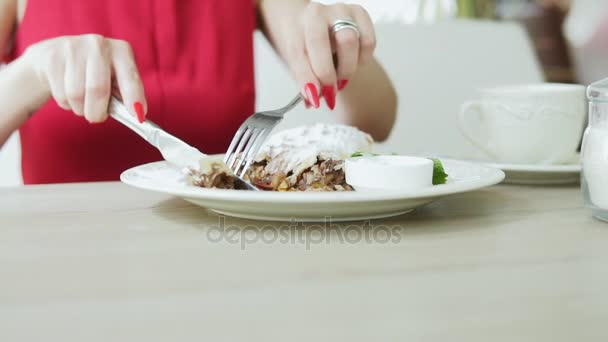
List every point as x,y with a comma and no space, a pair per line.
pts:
324,175
308,158
216,175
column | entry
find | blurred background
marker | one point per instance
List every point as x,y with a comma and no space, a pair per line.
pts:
561,31
439,53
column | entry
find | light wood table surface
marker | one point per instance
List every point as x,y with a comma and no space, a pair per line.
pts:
105,262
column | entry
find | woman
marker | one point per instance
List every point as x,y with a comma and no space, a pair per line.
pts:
185,64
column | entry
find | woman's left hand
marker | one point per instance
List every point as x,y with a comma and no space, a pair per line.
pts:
321,61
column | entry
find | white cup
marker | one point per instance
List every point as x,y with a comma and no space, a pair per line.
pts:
526,124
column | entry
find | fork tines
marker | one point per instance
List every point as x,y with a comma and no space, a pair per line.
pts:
248,139
244,147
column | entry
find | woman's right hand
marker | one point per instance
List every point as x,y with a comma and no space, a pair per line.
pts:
82,72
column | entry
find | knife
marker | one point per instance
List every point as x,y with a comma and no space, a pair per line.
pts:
174,151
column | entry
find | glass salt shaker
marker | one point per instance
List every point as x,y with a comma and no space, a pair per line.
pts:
594,151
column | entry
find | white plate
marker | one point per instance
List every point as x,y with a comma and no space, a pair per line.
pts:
310,206
539,174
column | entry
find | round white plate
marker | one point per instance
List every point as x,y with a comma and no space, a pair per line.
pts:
310,206
539,174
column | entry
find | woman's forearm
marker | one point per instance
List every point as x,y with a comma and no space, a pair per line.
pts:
20,95
369,101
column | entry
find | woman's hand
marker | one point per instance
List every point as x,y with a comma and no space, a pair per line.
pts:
322,62
82,72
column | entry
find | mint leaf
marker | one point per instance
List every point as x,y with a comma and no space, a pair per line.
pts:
362,154
439,174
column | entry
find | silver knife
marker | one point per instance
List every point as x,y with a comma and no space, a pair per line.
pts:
173,150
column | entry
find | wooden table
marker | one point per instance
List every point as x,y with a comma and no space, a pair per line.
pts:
105,262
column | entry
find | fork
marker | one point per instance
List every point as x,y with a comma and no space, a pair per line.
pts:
248,139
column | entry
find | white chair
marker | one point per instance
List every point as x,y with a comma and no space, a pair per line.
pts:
434,69
585,29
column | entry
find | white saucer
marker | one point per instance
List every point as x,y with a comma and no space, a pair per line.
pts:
536,174
311,206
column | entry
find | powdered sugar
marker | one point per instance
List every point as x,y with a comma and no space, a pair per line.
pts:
297,149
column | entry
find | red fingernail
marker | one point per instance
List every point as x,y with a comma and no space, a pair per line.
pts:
307,104
342,84
139,110
329,93
312,94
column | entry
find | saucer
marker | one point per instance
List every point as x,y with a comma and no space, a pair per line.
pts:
539,174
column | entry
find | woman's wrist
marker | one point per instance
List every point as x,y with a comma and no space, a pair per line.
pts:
21,94
275,15
39,90
30,91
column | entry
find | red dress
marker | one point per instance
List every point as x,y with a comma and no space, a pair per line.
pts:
196,61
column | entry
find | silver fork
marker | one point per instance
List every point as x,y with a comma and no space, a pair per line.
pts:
249,138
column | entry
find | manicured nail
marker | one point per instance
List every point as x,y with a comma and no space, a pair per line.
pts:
342,84
139,110
307,104
329,93
312,94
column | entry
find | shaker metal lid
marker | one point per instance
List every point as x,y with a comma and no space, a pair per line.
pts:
598,91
